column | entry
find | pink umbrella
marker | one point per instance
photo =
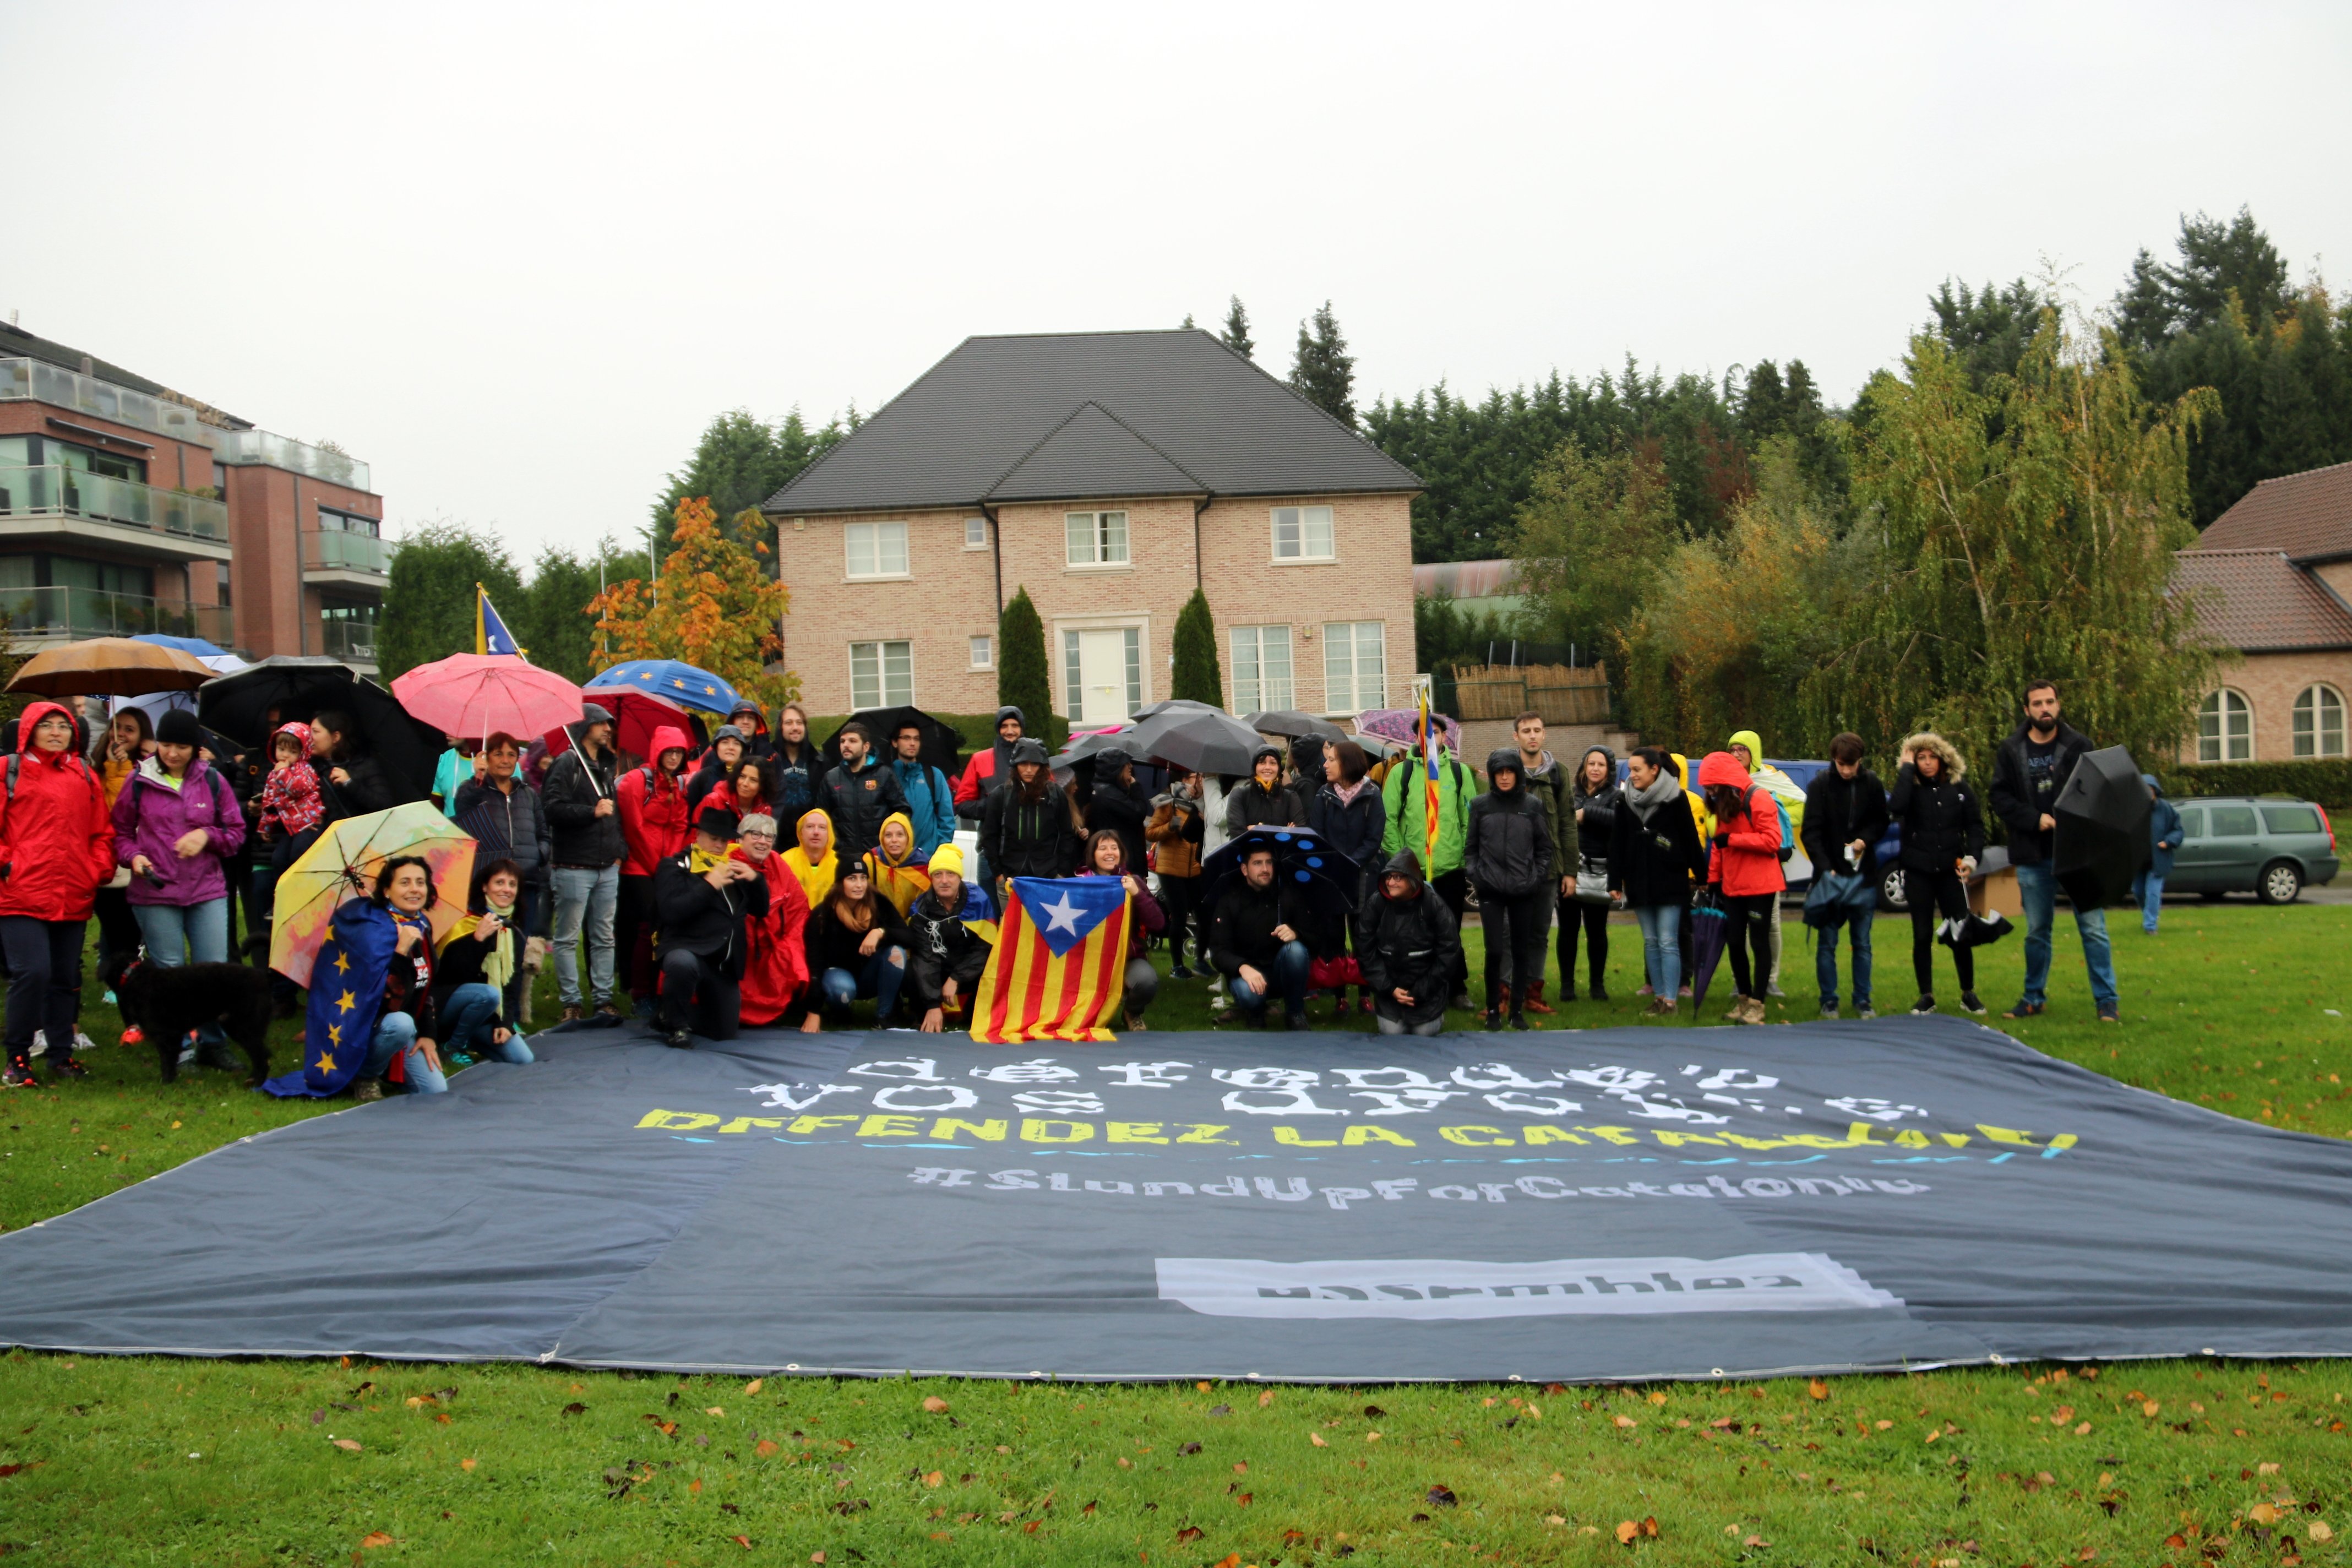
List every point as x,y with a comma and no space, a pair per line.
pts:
478,694
1399,724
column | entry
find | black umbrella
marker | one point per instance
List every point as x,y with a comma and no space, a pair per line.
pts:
1292,725
1710,927
943,741
1173,705
1204,742
300,688
1330,878
2102,839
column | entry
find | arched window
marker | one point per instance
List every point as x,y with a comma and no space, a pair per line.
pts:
2319,723
2225,728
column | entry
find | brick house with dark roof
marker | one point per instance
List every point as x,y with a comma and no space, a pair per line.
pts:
1110,474
2276,572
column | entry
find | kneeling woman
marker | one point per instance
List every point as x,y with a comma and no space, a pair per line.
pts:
858,946
476,981
406,1031
1107,857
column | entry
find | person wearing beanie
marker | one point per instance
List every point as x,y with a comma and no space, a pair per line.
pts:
953,935
588,848
727,748
176,825
702,900
748,720
1119,805
1024,828
1509,854
1407,942
1264,801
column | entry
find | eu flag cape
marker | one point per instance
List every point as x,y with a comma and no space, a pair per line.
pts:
346,1000
1059,967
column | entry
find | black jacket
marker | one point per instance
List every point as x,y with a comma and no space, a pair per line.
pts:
1941,821
797,778
1121,809
943,946
858,806
1252,804
1599,809
1653,863
461,964
1410,945
368,791
832,945
2016,803
1027,837
1839,811
1352,828
578,837
1241,928
1508,849
692,916
510,823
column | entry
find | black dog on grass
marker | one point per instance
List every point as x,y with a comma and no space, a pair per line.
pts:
165,1004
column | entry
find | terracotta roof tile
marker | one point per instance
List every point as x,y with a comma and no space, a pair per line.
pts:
2307,515
2260,602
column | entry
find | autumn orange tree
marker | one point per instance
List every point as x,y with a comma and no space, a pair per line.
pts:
715,605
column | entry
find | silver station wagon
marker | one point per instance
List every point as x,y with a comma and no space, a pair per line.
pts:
2268,845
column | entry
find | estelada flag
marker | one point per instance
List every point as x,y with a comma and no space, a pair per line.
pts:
1059,967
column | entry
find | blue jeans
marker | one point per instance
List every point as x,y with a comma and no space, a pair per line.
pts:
1825,942
396,1037
2147,892
879,977
2037,886
1661,951
467,1020
175,935
1289,975
585,897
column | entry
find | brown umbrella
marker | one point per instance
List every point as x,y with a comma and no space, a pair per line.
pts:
109,667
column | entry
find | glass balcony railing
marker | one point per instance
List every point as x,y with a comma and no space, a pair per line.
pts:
326,551
349,640
96,613
52,490
240,447
41,382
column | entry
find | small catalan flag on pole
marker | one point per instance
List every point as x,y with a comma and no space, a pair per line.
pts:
491,634
1059,968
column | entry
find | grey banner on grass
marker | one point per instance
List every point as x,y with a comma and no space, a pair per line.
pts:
1614,1203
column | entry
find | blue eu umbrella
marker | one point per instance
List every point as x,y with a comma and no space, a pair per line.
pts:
670,677
1327,877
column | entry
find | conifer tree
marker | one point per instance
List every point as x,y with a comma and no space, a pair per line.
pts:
1022,680
1236,333
1322,370
1197,677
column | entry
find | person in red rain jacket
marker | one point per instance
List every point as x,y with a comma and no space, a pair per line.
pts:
776,971
654,824
57,847
1745,861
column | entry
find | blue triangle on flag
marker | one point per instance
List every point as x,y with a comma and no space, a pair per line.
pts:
496,639
1065,910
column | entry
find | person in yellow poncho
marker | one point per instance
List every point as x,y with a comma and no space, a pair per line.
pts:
1748,748
812,859
897,874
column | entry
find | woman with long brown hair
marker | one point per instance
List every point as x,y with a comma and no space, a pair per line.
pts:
858,946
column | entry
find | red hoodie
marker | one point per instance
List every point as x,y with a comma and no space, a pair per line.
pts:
56,839
653,808
1746,855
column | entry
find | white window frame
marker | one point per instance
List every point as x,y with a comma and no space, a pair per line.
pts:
1073,685
877,537
1304,520
975,533
1255,691
982,651
2217,738
1352,684
881,692
1097,541
2308,727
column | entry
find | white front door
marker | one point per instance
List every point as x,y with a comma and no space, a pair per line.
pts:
1101,694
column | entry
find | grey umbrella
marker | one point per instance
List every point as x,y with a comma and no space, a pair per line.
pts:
2102,838
1291,725
1201,742
1173,705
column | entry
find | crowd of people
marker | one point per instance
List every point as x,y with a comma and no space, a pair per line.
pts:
751,881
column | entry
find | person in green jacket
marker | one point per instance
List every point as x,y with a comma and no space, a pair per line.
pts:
1404,796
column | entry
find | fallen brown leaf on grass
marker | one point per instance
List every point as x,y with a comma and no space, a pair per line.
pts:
1189,1533
574,1408
1626,1531
347,1444
753,1387
714,1410
933,1477
2149,1407
2318,1530
694,1486
468,1464
1626,1421
418,1401
1818,1389
376,1538
935,1405
1316,1438
1755,1541
742,1540
764,1449
2262,1513
1266,1399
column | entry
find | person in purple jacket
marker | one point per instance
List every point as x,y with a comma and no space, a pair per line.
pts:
176,824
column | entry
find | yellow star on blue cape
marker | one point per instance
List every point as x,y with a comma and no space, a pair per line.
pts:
346,1002
326,1063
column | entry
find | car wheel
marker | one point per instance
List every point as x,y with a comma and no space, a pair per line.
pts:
2281,881
1890,892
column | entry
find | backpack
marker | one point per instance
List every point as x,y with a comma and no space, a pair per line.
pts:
1787,829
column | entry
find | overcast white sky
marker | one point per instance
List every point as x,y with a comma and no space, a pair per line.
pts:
516,257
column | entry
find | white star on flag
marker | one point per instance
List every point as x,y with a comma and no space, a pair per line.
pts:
1062,916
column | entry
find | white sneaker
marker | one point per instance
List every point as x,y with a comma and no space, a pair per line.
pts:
40,1042
83,1043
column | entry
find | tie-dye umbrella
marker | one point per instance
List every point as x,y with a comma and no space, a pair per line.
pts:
343,864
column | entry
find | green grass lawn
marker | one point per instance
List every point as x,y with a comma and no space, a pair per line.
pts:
2236,1007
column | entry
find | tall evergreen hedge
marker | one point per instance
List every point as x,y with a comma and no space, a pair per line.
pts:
1022,677
1197,676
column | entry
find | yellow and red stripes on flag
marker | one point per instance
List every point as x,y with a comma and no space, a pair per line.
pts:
1028,993
1428,790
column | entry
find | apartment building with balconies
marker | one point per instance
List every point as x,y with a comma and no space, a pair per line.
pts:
126,507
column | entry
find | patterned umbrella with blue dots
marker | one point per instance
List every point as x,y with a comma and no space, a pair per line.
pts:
1328,878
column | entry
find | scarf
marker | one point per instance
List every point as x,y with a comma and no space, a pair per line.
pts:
1645,802
498,966
699,860
1348,792
901,881
815,877
857,917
